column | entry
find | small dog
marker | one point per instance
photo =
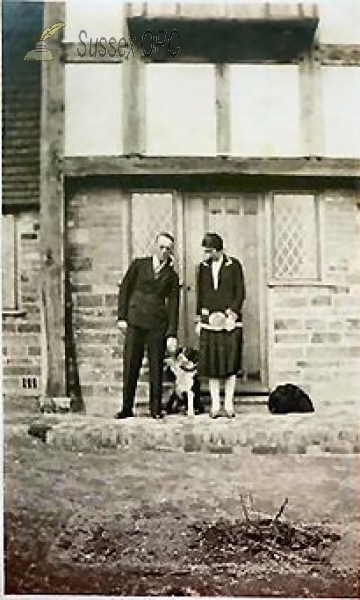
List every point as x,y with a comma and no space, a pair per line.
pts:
289,398
181,371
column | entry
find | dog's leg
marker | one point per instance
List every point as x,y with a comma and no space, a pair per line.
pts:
171,404
190,411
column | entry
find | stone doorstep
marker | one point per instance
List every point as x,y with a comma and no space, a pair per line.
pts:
109,405
260,434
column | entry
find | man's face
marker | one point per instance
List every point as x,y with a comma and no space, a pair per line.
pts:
212,254
164,248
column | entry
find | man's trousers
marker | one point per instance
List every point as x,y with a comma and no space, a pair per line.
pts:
136,340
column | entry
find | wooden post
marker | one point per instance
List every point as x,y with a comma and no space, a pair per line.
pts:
52,208
134,136
311,106
223,137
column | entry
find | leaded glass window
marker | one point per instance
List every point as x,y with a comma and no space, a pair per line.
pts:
152,213
295,253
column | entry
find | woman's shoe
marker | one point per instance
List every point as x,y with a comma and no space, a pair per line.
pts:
214,415
229,414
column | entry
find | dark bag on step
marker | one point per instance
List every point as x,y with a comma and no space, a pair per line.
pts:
289,398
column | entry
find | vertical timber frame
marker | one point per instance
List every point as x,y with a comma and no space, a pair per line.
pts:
222,109
311,116
52,275
311,106
134,96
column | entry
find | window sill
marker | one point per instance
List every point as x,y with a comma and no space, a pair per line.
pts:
304,283
13,312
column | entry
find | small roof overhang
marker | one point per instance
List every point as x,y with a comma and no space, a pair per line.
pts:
280,39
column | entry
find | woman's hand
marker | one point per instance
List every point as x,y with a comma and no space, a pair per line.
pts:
230,313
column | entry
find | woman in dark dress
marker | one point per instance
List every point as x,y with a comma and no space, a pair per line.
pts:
220,296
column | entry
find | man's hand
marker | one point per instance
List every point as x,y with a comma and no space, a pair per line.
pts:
198,328
171,345
122,326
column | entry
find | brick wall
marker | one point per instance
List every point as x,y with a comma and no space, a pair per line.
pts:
315,330
96,232
21,332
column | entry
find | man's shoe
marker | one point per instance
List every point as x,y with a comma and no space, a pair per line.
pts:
123,415
157,416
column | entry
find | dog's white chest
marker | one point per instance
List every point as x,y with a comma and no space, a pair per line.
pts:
184,380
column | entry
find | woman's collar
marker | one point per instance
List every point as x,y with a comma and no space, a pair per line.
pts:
226,261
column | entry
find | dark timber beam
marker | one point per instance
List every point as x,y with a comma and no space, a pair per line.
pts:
52,209
137,165
338,54
325,54
228,40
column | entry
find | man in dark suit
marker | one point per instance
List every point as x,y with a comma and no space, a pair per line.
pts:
148,314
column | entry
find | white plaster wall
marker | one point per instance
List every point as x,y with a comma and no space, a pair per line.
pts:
339,21
265,110
180,110
341,103
103,18
93,115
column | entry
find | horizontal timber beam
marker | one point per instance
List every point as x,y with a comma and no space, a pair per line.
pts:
138,165
338,55
326,54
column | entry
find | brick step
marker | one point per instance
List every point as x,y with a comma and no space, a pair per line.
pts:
252,430
108,406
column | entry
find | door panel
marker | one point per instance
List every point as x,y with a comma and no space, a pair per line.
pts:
194,231
250,260
237,218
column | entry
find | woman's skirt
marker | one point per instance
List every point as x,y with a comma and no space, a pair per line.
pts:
220,353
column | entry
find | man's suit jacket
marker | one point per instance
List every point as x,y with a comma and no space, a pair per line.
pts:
150,301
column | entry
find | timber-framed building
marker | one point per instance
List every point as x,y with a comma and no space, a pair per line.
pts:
251,130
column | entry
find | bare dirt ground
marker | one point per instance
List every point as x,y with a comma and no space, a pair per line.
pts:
175,523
